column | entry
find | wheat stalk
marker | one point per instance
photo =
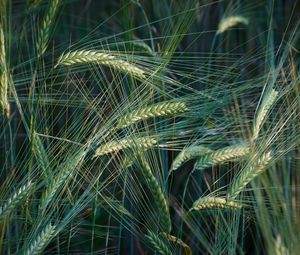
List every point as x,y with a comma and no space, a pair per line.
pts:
159,197
185,248
257,167
157,244
264,108
210,202
115,146
46,26
189,153
40,243
15,199
221,156
161,109
4,104
230,22
99,57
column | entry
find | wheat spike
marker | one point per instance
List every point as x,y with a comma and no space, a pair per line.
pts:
264,108
157,244
40,243
41,155
161,109
4,104
46,27
221,156
15,199
115,146
211,202
99,57
189,153
65,170
230,22
185,248
159,197
248,174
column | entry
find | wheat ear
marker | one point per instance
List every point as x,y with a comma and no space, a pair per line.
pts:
46,26
65,170
161,109
230,22
41,155
221,156
248,174
40,243
15,199
264,108
4,104
189,153
115,146
99,57
211,202
157,244
159,197
185,248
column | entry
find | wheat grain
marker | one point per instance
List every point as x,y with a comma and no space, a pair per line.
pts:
157,244
264,108
46,27
185,248
211,202
4,104
15,199
161,109
221,156
189,153
40,243
159,197
230,22
99,57
115,146
257,167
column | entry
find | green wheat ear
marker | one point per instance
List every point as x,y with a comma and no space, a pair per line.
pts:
42,240
157,244
185,248
15,199
100,57
230,22
265,106
221,156
189,153
4,104
46,27
158,194
125,143
160,109
212,202
256,167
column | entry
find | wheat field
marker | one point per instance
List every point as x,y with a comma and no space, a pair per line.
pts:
150,127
